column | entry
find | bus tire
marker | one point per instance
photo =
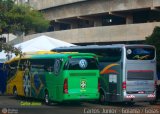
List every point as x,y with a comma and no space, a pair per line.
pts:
46,98
102,98
15,91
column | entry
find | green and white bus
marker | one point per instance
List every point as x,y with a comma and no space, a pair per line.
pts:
128,72
55,77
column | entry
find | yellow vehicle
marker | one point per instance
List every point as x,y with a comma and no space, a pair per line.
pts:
14,77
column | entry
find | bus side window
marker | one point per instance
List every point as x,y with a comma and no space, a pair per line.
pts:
57,66
12,68
21,65
48,68
48,65
26,64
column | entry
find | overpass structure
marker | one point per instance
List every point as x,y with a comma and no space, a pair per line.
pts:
98,21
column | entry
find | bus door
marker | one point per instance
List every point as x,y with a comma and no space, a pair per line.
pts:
110,70
42,76
111,81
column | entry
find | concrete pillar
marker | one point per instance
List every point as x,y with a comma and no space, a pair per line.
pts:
97,22
129,19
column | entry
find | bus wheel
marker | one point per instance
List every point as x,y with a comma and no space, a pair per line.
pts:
102,99
46,98
15,91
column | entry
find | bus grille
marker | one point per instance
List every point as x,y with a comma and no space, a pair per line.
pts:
140,76
82,74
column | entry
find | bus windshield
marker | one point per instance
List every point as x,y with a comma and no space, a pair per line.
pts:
81,64
140,53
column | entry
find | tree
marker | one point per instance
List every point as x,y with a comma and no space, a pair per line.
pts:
5,6
154,39
10,49
19,18
14,18
23,18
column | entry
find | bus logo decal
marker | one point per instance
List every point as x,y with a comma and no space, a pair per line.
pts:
83,63
83,84
57,66
129,51
37,83
107,69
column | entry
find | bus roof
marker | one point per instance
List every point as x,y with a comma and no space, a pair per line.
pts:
49,55
101,46
63,55
29,54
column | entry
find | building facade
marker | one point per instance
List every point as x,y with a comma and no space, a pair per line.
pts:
99,21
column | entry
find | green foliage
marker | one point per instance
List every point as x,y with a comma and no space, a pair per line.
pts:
10,49
154,39
22,18
19,18
5,6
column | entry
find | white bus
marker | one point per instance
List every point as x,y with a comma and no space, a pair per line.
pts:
128,72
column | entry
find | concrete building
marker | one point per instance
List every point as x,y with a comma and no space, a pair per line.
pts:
99,21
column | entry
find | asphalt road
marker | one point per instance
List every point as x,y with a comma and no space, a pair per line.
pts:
12,105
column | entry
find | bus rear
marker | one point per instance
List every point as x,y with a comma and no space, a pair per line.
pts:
81,76
139,81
